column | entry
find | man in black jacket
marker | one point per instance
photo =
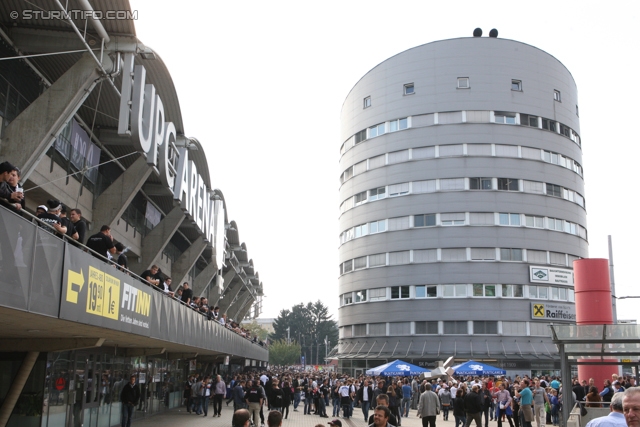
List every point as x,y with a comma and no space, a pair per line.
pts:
129,397
473,406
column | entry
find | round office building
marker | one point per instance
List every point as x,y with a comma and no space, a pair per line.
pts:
462,207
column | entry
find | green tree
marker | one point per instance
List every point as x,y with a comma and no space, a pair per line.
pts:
281,353
256,329
311,326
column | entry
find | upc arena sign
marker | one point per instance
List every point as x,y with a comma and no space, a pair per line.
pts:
551,275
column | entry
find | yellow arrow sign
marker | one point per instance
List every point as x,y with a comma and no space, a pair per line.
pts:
75,282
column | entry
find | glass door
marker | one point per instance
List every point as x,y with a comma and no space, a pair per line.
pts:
86,387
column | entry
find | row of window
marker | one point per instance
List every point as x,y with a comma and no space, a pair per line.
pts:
459,291
422,256
459,150
446,327
460,219
464,83
462,184
465,116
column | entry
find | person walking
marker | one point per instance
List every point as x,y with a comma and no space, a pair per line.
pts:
473,407
129,396
428,407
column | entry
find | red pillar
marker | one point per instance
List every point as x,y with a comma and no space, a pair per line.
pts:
593,307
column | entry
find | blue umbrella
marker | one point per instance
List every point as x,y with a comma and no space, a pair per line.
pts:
397,368
476,368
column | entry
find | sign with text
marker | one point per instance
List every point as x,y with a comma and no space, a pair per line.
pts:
95,293
553,311
551,275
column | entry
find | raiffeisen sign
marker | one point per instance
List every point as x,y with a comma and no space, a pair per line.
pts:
142,118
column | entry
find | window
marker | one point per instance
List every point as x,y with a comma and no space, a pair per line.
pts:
361,296
347,174
455,327
421,256
538,292
518,329
449,219
378,226
541,329
377,260
377,329
450,150
483,254
367,102
577,111
509,219
534,221
428,186
557,258
508,184
348,298
360,330
427,328
398,189
555,224
554,190
512,291
360,230
516,85
480,184
463,82
376,130
347,331
454,290
399,223
399,258
556,96
510,254
399,124
549,125
536,257
426,220
377,193
399,328
454,255
482,218
409,89
361,136
347,266
506,118
399,292
529,120
360,263
485,327
452,184
360,198
377,294
377,162
424,291
480,290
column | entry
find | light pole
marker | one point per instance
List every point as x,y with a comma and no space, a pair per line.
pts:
288,335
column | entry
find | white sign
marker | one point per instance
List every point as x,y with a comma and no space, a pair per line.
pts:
142,118
551,275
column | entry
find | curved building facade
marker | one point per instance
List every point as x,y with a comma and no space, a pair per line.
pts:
462,206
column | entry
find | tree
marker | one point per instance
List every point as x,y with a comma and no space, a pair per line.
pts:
311,326
282,353
256,330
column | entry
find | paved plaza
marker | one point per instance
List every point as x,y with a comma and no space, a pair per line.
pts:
179,417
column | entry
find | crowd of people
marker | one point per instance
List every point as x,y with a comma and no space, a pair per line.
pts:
520,402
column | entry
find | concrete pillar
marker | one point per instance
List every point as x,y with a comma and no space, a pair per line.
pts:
241,306
230,294
154,243
227,278
203,279
112,203
181,267
28,137
16,387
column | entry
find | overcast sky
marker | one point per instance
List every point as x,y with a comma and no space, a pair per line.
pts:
261,85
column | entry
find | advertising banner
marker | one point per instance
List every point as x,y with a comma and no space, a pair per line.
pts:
551,275
98,294
553,311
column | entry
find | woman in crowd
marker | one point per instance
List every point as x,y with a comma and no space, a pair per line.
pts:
458,408
277,396
287,391
445,400
393,403
593,398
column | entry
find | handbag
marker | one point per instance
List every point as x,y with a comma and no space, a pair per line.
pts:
502,405
547,407
583,411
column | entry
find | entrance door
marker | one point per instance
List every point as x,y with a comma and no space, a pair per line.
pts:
85,398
